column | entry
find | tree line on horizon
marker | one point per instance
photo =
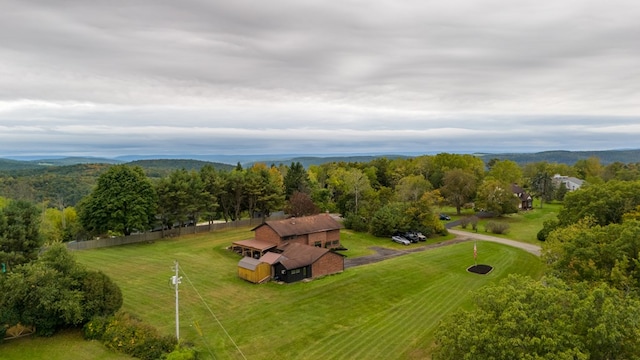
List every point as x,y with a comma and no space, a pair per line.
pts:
381,196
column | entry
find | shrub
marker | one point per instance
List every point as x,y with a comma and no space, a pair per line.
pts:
497,227
127,334
182,352
101,295
355,222
474,222
547,227
94,329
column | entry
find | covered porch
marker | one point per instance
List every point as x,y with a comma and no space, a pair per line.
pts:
252,248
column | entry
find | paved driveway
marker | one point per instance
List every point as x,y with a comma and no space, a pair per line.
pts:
534,249
386,253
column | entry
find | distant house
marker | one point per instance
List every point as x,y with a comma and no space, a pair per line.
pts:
571,183
525,200
295,248
299,261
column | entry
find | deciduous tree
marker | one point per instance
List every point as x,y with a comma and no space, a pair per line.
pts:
410,188
496,197
459,187
123,201
300,204
525,319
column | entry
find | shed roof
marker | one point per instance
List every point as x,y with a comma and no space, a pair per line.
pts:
270,258
303,225
255,244
298,255
249,263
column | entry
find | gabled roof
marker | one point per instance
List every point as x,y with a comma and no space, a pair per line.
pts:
303,225
270,258
517,189
299,255
574,180
249,263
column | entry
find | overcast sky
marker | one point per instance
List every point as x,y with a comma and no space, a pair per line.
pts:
109,78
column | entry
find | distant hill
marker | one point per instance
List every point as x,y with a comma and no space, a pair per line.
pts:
568,157
74,161
6,164
35,181
12,165
306,161
162,167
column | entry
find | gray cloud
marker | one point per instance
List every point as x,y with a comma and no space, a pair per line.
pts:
162,77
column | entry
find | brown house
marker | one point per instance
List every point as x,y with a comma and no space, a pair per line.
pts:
525,199
296,248
299,261
318,230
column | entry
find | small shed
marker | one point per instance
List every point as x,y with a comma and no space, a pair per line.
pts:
254,270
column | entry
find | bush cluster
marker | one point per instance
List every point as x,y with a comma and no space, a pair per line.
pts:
497,227
469,220
126,334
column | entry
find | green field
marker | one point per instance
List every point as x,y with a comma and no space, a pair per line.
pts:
384,310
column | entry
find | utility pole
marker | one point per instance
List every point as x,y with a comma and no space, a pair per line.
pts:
175,280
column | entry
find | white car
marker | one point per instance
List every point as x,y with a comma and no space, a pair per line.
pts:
400,240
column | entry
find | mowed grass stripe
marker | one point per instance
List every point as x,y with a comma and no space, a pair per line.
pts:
338,344
383,310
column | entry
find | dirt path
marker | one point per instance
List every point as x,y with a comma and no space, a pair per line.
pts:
461,236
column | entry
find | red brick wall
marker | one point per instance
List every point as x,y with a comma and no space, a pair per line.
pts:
329,263
266,233
322,237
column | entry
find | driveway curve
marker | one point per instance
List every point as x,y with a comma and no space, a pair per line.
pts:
531,248
461,236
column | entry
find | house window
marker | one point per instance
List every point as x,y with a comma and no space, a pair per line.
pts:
295,271
317,244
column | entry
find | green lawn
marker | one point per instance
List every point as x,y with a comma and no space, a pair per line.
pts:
63,346
523,226
384,310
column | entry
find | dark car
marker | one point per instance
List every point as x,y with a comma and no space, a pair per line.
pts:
411,236
444,217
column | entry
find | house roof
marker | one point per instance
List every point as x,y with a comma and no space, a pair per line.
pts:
255,244
574,180
515,188
249,263
302,225
298,255
270,258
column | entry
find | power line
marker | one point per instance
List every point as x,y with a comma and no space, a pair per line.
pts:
212,314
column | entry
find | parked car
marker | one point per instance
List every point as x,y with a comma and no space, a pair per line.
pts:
444,217
411,236
400,240
420,236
